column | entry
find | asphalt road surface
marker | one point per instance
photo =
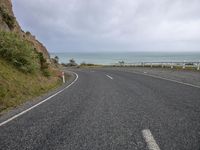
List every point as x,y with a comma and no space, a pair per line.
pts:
110,110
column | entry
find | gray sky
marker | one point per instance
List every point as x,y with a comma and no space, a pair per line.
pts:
112,25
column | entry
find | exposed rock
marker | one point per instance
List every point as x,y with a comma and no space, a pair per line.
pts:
3,25
7,18
38,45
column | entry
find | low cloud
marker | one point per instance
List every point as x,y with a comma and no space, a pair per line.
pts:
112,25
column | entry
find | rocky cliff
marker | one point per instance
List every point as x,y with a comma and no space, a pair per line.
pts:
9,23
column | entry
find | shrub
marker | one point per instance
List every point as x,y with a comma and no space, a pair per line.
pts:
83,64
44,66
28,33
8,19
56,58
71,63
18,52
46,72
43,61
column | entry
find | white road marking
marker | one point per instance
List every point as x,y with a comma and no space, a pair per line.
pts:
148,137
25,111
188,84
109,77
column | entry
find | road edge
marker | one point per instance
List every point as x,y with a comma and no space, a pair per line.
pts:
159,77
17,112
167,79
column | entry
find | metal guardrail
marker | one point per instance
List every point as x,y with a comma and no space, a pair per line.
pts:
183,65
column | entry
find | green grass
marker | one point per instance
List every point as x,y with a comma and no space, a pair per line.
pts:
24,72
17,87
18,52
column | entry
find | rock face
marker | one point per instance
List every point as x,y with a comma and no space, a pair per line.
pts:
9,23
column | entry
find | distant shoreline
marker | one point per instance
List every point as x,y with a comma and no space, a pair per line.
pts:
108,58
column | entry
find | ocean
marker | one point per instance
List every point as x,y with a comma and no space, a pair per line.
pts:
109,58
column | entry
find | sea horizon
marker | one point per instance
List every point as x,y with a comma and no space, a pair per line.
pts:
108,58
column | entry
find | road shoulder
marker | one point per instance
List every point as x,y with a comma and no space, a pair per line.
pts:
182,76
14,111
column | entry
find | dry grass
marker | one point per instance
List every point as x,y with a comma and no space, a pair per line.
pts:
17,87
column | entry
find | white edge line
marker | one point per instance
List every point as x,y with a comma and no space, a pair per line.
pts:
109,77
148,137
25,111
188,84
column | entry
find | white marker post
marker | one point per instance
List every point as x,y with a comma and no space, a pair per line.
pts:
63,76
172,66
162,65
184,65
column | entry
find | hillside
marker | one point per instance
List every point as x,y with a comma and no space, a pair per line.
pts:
26,70
17,87
9,23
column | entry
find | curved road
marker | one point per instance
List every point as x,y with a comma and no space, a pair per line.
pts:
110,110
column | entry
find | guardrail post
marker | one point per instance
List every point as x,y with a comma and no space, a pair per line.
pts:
183,65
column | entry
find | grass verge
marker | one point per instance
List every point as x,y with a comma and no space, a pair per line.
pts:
17,87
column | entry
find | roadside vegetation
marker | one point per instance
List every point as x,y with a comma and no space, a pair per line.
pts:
24,72
72,63
8,19
83,64
18,52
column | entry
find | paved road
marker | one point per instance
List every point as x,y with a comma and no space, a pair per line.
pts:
110,110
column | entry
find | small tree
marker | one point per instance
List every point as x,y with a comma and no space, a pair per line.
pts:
56,58
121,63
28,33
72,61
83,64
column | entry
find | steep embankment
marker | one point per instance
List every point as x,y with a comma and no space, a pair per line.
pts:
17,87
9,23
26,69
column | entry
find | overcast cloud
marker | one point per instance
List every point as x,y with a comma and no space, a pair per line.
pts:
112,25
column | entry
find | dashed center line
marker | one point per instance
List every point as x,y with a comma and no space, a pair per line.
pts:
148,137
109,77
